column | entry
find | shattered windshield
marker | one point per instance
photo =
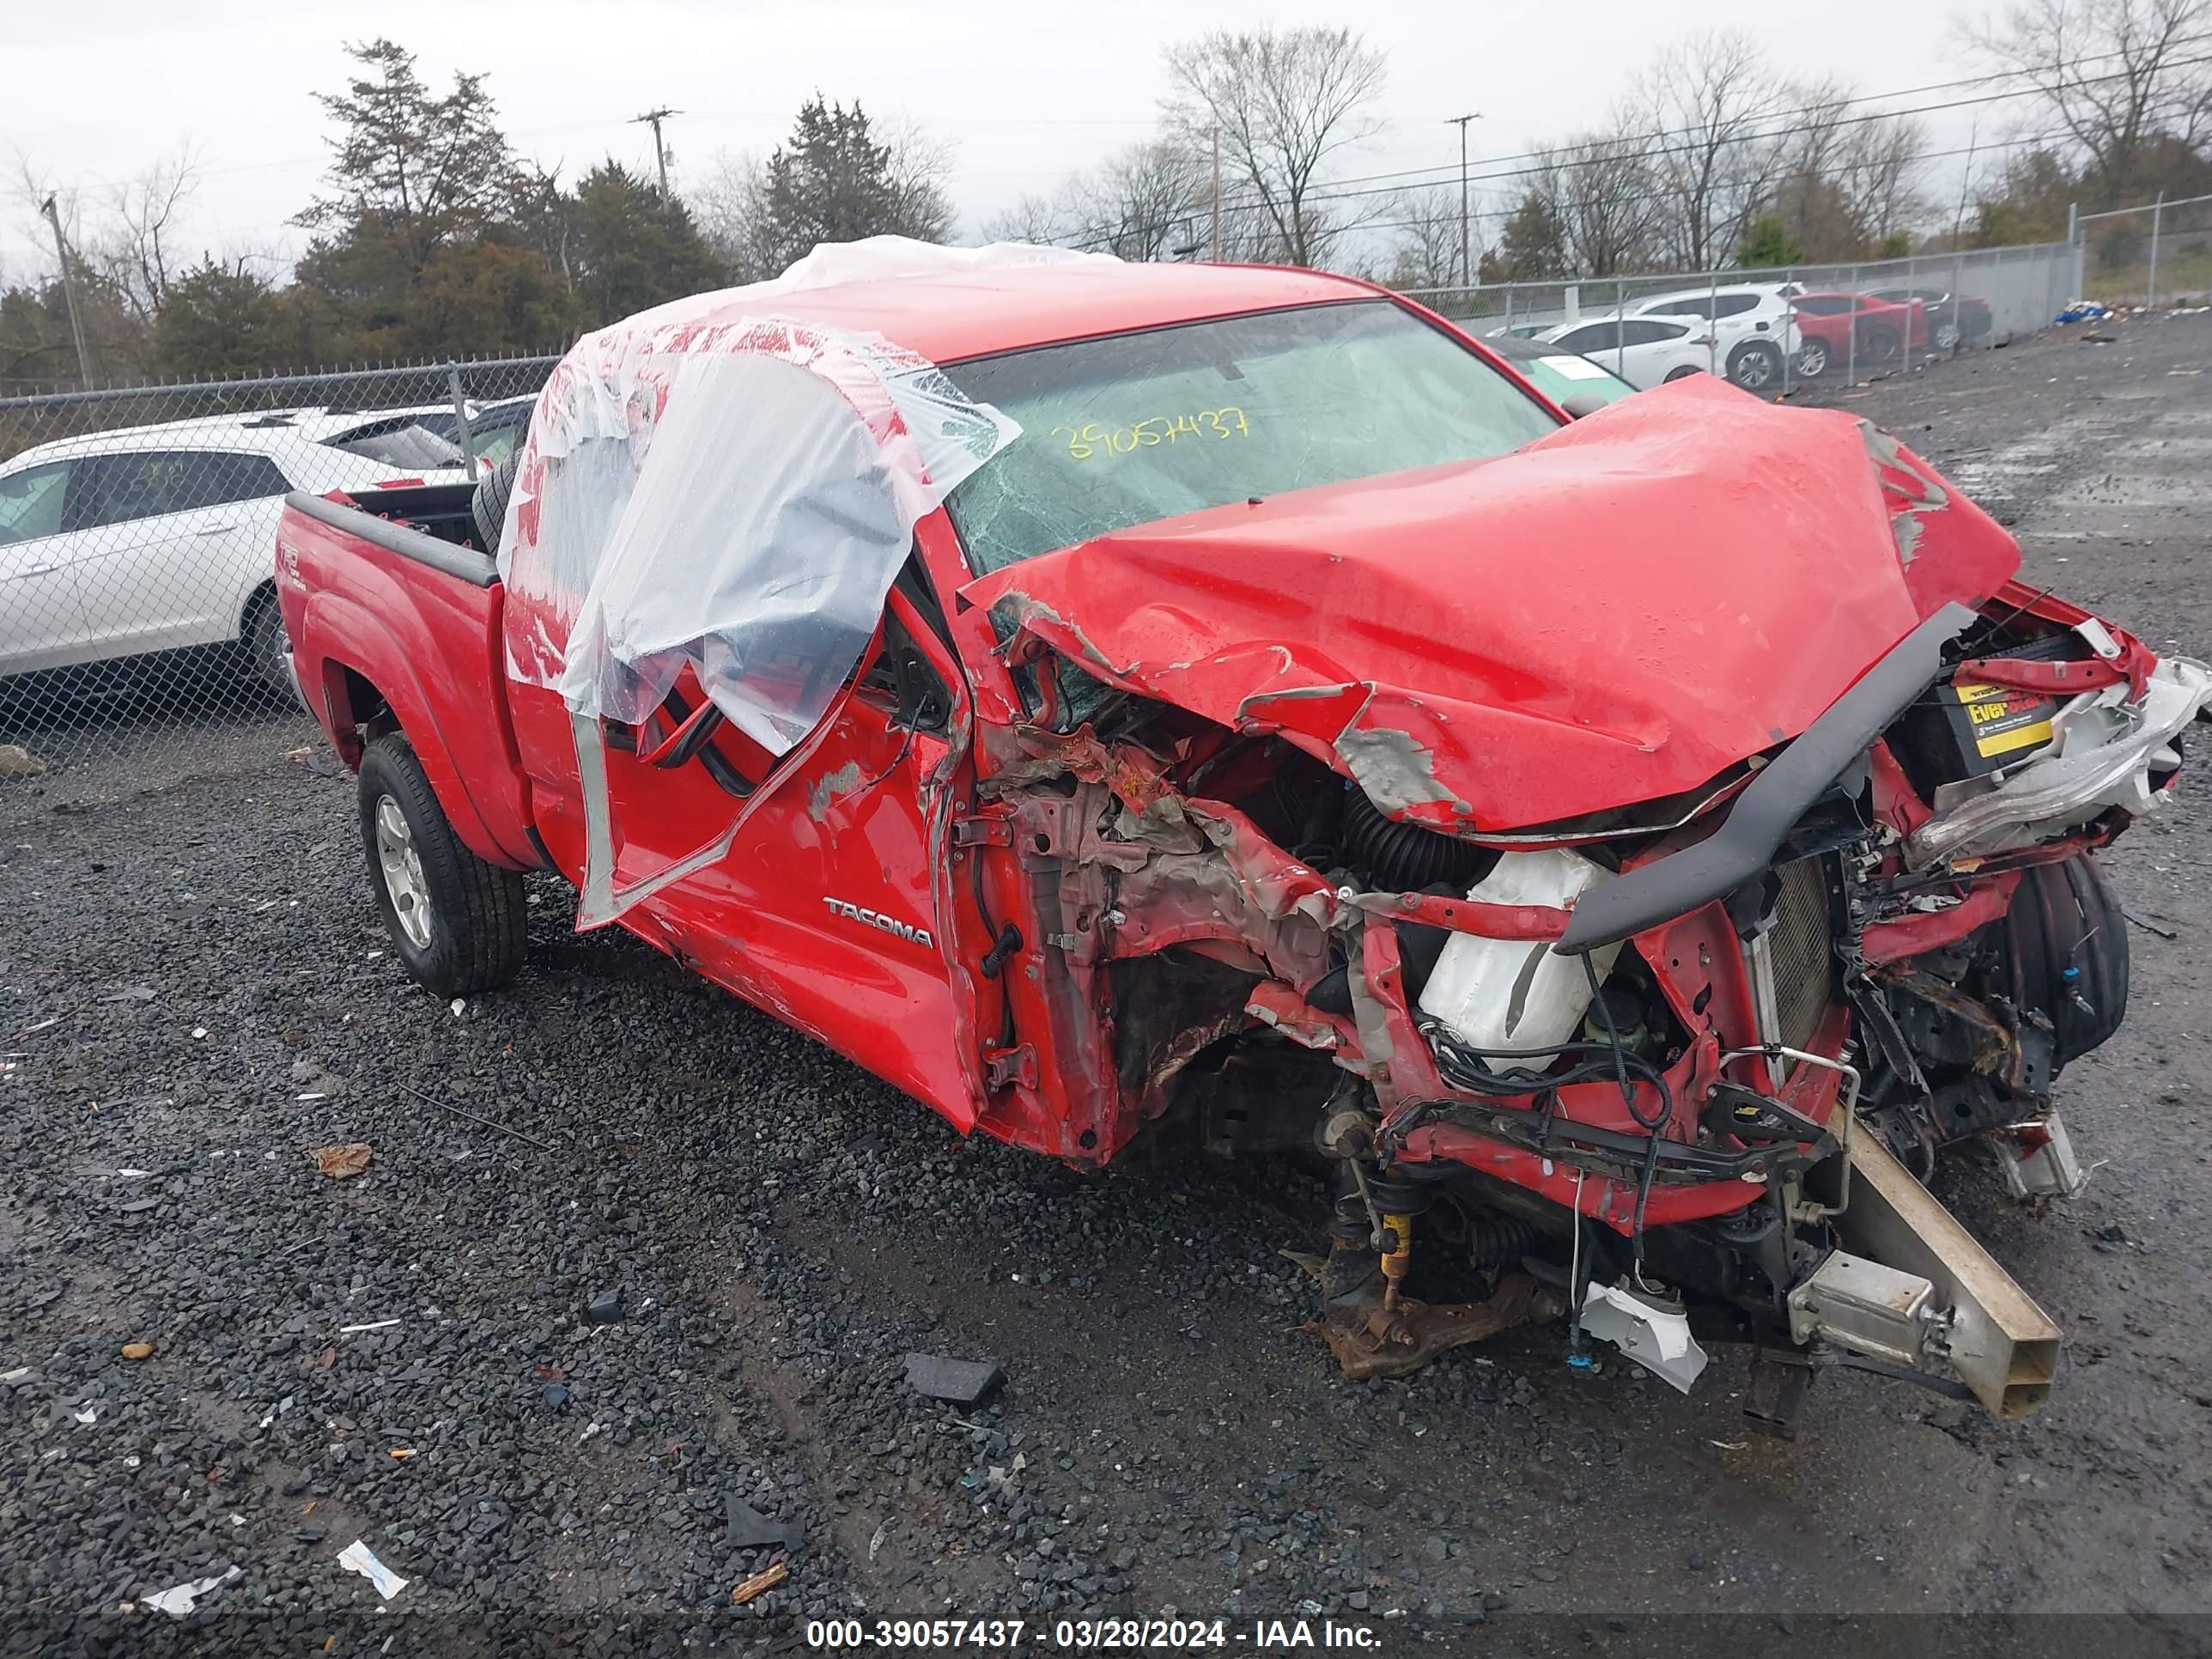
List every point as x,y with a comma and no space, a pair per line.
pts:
1121,431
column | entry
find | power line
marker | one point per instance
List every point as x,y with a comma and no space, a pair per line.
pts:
1556,158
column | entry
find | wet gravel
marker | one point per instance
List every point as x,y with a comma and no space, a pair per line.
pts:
194,994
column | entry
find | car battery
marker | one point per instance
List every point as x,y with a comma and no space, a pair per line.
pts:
1966,729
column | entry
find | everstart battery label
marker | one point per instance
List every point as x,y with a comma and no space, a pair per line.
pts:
2002,721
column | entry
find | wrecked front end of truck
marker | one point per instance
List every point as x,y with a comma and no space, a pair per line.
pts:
1630,862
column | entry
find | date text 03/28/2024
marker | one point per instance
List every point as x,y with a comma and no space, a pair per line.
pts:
1091,1635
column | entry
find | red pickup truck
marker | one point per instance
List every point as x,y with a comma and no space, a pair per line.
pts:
1229,704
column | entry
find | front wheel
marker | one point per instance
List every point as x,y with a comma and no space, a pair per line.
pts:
1882,347
1947,336
1813,359
1755,366
458,921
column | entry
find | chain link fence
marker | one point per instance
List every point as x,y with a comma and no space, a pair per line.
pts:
140,642
1773,332
2161,254
139,639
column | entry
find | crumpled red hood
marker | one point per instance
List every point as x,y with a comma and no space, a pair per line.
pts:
1615,613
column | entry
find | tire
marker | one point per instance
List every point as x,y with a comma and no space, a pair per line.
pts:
1756,366
1947,336
268,649
457,922
1683,373
1881,347
1813,359
488,506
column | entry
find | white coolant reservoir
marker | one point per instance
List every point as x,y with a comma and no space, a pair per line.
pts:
1498,994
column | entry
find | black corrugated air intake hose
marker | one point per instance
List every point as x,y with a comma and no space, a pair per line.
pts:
1406,858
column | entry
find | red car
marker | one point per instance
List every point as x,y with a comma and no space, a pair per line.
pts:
1226,706
1885,330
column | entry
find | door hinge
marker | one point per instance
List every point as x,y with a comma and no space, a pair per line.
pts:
985,830
1004,1067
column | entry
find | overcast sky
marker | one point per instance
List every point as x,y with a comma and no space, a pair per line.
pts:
1026,93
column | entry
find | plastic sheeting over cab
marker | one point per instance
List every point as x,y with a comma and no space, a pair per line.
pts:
713,486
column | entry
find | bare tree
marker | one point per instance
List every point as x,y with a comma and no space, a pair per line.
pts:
727,203
1707,103
1425,247
139,253
729,200
1051,221
2118,73
1148,200
921,168
1595,193
1282,104
1846,181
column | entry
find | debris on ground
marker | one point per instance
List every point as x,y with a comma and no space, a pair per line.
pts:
17,762
177,1600
357,1557
131,993
137,1351
2083,311
749,1529
605,1308
2150,927
373,1325
340,1162
762,1582
941,1376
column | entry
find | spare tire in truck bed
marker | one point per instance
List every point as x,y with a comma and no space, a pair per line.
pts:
490,504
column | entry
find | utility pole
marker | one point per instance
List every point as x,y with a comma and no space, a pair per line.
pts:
1465,262
69,295
1967,183
1215,255
653,117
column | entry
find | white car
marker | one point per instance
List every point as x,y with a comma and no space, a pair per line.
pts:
1644,351
1750,323
156,537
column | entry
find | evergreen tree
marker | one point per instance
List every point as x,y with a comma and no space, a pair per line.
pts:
832,182
629,248
1769,243
217,321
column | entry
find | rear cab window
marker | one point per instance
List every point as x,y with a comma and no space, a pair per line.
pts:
402,441
1138,427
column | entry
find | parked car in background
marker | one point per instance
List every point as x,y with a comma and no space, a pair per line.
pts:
1752,328
1840,331
1644,351
1570,381
151,538
1953,319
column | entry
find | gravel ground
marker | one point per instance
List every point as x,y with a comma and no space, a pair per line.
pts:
194,993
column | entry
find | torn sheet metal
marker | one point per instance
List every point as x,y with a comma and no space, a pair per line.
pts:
1616,613
2105,747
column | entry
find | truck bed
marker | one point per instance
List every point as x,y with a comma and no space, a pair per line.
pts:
392,626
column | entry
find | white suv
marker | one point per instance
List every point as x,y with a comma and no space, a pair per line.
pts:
1753,325
154,538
